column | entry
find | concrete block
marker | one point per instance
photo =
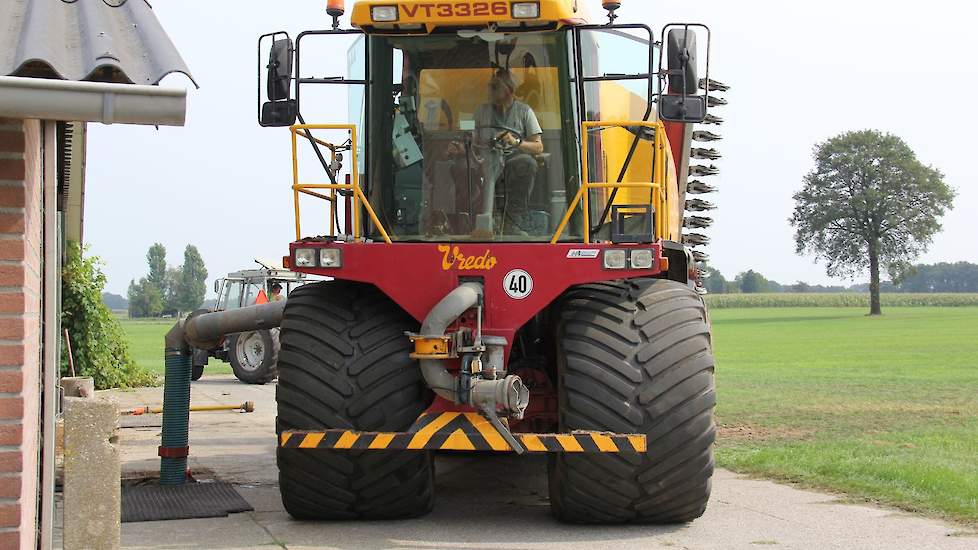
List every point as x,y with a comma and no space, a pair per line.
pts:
78,386
92,493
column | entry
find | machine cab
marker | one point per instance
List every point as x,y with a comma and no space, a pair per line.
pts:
472,144
497,122
244,288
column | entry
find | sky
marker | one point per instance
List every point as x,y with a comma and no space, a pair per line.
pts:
800,74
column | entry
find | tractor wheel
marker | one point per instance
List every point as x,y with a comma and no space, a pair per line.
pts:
345,364
635,357
196,373
254,356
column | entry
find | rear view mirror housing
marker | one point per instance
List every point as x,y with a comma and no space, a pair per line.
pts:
682,55
680,101
279,113
677,108
277,106
280,70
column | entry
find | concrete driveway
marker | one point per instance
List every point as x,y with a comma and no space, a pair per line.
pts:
483,502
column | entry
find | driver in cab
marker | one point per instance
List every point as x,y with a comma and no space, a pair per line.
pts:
509,130
514,126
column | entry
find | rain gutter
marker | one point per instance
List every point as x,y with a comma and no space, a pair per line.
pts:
48,99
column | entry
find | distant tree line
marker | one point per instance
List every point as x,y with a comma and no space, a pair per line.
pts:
168,289
941,277
114,301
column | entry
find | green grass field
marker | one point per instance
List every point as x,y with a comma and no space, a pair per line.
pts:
146,345
881,408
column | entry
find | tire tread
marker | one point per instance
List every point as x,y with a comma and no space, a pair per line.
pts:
344,364
636,357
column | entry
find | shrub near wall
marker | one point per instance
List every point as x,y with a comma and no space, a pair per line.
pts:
98,345
729,301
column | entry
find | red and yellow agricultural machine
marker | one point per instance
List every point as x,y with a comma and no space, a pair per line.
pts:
509,268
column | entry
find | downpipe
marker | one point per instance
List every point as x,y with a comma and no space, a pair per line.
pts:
509,393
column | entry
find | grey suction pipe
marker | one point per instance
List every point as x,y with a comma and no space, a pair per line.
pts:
485,394
454,304
204,330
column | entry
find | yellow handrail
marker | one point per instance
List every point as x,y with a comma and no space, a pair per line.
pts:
359,199
659,192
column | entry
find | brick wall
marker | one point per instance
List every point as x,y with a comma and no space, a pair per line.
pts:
20,328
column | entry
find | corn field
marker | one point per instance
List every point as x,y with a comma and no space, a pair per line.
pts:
730,301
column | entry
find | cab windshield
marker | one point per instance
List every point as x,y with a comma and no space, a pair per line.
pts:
466,135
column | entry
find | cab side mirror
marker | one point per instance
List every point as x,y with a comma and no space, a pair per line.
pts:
279,109
279,113
681,101
280,70
677,108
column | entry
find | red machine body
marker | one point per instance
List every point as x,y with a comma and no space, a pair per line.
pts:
417,275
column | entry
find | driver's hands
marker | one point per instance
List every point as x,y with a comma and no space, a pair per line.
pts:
455,149
508,139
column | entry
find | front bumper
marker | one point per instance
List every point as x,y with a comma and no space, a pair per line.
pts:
456,431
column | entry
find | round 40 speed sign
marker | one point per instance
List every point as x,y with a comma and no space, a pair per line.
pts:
518,284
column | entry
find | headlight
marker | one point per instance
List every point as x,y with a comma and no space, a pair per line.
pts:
330,257
305,257
642,259
384,14
526,10
615,259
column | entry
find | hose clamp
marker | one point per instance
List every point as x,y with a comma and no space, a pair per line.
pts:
174,452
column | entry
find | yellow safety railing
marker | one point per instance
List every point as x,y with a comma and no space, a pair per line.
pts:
657,185
359,199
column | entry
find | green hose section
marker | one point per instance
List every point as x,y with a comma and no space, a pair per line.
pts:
176,416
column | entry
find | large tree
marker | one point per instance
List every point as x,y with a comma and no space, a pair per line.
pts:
868,203
171,293
156,258
193,277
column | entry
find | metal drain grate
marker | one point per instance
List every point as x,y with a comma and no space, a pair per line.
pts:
191,500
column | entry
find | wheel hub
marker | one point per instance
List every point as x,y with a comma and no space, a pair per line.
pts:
251,351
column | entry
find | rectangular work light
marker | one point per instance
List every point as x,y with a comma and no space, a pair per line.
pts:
526,10
642,259
615,259
330,257
384,14
305,257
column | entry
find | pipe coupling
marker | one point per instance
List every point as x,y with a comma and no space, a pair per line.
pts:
510,393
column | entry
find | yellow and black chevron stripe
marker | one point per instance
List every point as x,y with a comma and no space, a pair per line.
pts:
455,431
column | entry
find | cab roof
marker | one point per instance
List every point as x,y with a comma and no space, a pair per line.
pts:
281,274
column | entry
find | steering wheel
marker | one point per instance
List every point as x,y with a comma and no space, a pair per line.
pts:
497,143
